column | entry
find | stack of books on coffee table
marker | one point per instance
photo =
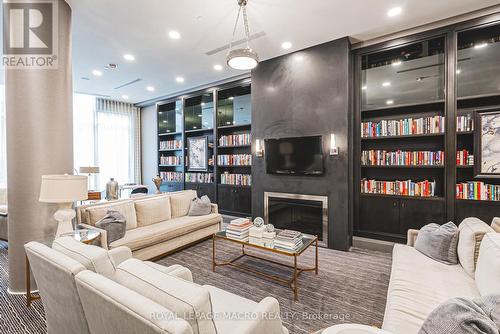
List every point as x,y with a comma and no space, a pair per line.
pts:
288,240
238,229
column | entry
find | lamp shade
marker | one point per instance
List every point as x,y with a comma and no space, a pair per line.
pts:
89,170
63,188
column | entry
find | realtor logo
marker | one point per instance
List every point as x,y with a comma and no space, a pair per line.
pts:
29,34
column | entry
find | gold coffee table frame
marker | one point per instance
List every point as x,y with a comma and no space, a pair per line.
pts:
307,241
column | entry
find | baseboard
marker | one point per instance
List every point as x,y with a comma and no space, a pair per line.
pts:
372,244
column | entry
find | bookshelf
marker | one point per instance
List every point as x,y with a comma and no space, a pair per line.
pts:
223,115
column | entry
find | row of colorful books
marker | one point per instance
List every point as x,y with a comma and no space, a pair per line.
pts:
401,127
170,144
465,123
402,158
200,177
234,160
238,229
171,176
464,158
288,240
235,140
172,160
424,188
236,179
476,190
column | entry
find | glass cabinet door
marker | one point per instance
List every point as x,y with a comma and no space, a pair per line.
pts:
411,74
170,117
234,106
199,112
478,66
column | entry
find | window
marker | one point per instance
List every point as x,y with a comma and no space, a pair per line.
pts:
106,134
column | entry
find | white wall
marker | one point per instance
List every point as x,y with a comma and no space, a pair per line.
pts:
149,134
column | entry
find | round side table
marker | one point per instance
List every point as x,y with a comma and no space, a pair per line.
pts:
87,236
353,329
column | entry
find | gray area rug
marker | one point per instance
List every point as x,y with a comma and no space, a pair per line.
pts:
350,287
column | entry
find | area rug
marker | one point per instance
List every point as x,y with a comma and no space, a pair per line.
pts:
351,287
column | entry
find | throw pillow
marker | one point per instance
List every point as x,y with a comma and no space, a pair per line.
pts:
439,242
472,231
200,206
461,315
115,225
488,265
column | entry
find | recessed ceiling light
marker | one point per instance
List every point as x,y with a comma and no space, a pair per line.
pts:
480,45
286,45
202,104
179,79
394,11
386,84
164,121
174,34
200,115
128,57
195,127
363,87
231,98
389,102
150,88
97,73
218,67
397,63
125,97
459,71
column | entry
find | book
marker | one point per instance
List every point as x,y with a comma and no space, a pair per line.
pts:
403,127
424,188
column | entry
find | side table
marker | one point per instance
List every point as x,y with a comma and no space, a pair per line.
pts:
86,236
352,329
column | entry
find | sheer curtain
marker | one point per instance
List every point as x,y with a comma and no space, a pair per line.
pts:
3,149
106,134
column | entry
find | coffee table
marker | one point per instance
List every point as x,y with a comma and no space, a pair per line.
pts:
307,241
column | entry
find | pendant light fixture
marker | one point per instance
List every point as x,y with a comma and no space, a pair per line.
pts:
242,58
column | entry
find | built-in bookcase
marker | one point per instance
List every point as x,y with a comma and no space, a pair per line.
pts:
416,107
223,117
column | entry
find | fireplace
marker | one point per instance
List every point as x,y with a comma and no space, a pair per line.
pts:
305,213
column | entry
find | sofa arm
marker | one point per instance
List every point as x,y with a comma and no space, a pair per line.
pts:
412,237
103,237
215,208
495,224
120,254
174,270
265,319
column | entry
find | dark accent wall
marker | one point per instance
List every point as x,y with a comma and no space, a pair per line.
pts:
300,94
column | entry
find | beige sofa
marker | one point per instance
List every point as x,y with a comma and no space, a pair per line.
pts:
156,224
419,284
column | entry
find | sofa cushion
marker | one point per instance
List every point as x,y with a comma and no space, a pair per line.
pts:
126,208
186,299
93,258
488,265
418,285
152,210
180,202
155,233
438,242
472,231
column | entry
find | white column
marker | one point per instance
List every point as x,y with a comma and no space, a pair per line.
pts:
39,141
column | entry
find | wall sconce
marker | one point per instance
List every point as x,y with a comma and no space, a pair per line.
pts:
259,149
334,150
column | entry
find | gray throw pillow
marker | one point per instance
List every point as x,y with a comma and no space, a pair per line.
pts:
464,316
115,225
439,242
200,206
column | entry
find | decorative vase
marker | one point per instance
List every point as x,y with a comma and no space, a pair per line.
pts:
111,190
158,181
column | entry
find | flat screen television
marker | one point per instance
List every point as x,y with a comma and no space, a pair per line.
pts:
294,156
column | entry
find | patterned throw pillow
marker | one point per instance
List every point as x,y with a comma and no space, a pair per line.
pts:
439,242
115,225
200,206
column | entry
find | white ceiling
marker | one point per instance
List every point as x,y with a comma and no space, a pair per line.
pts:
105,30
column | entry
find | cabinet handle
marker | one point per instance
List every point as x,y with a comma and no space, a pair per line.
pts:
394,204
402,204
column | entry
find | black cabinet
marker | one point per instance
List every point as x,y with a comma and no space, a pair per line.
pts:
203,189
234,199
390,218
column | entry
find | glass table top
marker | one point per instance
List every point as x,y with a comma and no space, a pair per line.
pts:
268,244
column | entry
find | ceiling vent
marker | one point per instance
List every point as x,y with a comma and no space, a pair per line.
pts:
235,43
128,83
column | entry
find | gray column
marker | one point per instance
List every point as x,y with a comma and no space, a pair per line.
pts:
39,141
